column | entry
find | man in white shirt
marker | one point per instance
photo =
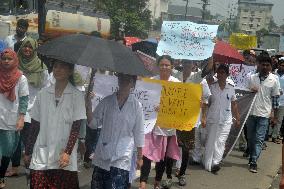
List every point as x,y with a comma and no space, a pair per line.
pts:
267,99
121,117
14,41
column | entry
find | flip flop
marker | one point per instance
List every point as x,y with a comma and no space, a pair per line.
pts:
11,174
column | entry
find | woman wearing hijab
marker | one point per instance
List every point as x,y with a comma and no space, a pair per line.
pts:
51,149
37,74
13,106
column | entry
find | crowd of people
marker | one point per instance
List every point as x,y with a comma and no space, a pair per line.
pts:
46,111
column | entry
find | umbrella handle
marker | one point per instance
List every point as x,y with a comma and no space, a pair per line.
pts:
91,82
88,96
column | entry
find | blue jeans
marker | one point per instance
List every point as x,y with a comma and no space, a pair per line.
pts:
114,179
256,131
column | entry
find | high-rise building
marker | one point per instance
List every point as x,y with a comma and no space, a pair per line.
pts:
253,15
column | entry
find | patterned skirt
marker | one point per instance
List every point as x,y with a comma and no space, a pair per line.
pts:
186,139
8,142
54,179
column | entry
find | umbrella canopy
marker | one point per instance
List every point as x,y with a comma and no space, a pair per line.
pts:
148,47
94,52
225,53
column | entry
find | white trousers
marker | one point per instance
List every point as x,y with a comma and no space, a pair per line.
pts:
215,145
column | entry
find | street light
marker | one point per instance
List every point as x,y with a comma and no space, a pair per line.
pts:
185,15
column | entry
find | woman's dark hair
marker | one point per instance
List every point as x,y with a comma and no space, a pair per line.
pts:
133,78
225,68
165,57
70,66
263,58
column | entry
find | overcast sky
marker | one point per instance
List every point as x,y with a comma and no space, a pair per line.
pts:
221,7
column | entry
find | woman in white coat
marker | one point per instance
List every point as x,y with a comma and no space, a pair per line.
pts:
51,148
222,104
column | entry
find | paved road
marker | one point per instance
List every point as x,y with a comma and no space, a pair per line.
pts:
233,175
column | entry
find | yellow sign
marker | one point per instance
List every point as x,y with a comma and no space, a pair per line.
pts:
242,41
179,105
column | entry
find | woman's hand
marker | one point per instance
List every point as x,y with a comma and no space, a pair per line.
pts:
64,160
20,122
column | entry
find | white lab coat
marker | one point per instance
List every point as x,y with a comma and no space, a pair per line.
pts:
219,121
55,126
122,131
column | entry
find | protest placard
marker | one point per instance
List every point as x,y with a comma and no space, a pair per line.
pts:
187,40
245,101
242,41
240,73
179,105
148,94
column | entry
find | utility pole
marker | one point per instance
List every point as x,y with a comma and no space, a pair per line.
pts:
41,18
205,3
186,7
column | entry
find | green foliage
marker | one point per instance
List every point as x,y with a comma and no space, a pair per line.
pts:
132,13
272,24
260,34
157,25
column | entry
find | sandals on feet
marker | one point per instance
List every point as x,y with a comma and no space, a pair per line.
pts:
11,173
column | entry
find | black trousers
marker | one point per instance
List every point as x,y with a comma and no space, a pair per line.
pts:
160,167
184,162
4,166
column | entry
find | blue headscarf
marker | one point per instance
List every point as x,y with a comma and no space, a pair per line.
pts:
2,45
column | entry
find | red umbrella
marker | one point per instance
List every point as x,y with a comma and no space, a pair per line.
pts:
225,53
130,40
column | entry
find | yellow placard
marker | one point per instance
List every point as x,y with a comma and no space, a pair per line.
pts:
179,105
242,41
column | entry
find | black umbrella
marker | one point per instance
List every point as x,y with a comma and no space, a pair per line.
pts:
94,52
148,47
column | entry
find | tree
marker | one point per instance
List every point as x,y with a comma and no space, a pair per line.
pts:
272,24
128,17
260,34
282,27
157,24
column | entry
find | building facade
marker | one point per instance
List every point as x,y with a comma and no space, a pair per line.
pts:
177,13
158,8
253,15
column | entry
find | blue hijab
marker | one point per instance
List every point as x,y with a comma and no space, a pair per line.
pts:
2,45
